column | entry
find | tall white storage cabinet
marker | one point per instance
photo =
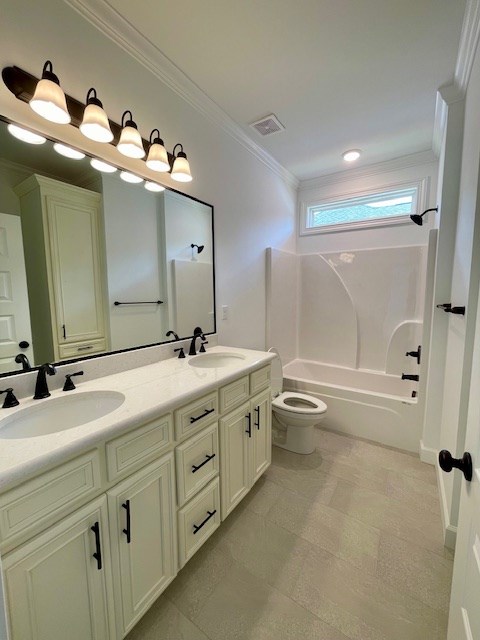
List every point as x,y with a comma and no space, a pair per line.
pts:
62,235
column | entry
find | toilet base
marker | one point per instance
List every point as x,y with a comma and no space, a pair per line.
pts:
293,438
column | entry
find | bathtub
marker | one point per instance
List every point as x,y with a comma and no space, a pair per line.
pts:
367,404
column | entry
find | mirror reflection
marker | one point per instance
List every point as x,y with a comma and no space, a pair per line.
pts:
91,263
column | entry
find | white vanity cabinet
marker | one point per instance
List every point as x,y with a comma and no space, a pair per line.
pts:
143,540
90,544
245,441
62,235
55,588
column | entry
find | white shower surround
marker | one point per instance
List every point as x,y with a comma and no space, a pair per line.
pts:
367,404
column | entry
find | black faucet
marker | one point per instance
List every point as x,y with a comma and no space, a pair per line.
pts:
172,333
41,387
197,333
23,360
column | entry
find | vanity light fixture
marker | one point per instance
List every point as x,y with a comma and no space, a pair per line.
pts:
130,177
99,165
157,159
351,155
49,100
181,168
24,135
154,186
130,143
68,152
95,125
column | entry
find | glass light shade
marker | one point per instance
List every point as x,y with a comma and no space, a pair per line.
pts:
49,102
130,177
102,166
68,152
181,170
157,159
95,125
25,135
154,186
130,143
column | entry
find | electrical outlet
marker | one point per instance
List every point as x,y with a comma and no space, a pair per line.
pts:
224,312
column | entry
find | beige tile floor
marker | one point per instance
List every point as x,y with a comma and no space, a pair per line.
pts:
343,544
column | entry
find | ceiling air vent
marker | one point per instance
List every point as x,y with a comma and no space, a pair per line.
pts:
268,125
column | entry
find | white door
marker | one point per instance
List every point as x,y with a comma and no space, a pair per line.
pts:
464,621
14,309
58,588
143,533
261,446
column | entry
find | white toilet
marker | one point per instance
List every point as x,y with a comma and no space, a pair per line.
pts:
294,414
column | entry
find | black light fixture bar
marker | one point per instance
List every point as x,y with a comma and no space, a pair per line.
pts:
22,84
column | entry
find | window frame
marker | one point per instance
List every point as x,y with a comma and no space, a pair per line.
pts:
421,187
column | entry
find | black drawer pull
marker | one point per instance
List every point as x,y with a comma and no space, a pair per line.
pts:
205,413
249,430
197,527
128,530
98,550
195,468
257,423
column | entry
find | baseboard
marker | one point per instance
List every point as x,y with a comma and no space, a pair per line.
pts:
449,530
427,454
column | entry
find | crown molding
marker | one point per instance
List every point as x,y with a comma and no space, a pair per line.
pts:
457,90
107,20
404,162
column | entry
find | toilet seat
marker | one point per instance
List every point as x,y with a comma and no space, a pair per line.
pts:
281,402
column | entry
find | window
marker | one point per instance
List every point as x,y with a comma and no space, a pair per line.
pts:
387,207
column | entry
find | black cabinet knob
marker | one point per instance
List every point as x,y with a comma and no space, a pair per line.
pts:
447,463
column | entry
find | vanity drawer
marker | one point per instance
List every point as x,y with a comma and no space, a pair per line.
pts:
196,415
139,447
41,501
233,394
197,462
81,348
197,520
259,379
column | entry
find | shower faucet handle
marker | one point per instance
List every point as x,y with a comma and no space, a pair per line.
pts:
416,354
408,376
447,307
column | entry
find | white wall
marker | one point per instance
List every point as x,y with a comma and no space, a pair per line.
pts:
254,205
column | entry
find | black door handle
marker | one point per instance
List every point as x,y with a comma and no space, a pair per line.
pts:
447,463
98,549
249,429
127,531
257,423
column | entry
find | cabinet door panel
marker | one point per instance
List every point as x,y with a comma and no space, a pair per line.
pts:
234,464
55,585
262,434
143,567
76,272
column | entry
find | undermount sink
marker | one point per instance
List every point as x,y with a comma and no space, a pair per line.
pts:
215,360
59,414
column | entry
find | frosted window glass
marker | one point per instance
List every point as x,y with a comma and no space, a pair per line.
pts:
393,204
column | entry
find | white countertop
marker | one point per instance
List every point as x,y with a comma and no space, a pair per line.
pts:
149,391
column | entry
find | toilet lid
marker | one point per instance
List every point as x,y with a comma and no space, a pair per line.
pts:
276,380
307,405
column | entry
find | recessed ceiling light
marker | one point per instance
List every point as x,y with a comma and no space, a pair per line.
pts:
68,152
102,166
130,177
351,155
24,135
154,186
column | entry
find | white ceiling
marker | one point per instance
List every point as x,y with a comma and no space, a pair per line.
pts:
339,74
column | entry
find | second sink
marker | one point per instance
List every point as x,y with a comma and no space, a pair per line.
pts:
60,414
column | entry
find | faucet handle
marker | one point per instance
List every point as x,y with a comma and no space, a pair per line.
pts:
69,386
181,354
10,399
202,347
